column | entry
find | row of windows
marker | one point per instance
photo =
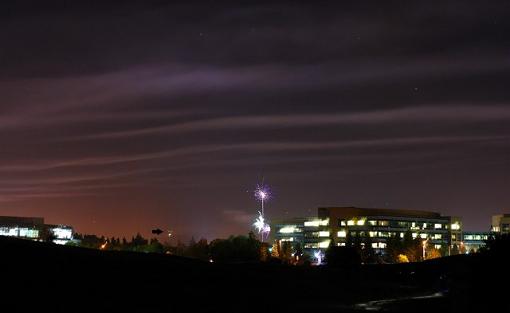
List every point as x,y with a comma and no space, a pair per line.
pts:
19,232
291,239
59,232
375,245
373,234
476,237
290,229
396,224
343,234
315,245
317,223
324,234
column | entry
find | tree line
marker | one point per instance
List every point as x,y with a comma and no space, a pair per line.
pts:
357,249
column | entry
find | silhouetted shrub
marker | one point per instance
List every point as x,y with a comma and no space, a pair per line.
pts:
343,256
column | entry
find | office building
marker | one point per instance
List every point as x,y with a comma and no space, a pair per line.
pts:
501,223
473,241
33,228
373,226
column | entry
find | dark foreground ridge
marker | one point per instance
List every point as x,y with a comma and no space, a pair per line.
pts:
51,278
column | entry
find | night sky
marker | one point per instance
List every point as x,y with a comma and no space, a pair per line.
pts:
121,118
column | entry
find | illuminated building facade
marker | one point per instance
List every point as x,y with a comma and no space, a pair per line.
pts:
472,241
32,228
310,233
501,223
371,226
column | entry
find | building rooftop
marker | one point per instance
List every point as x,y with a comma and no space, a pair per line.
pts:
21,221
355,211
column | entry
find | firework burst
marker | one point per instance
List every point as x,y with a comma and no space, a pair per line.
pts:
262,193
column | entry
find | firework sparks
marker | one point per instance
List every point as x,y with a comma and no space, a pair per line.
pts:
262,227
318,256
262,193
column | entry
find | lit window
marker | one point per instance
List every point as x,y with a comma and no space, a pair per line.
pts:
401,235
415,235
341,244
438,226
374,244
455,226
383,223
62,233
382,245
317,223
360,222
437,247
424,225
350,222
437,236
342,223
373,223
23,232
287,230
414,226
423,236
324,244
324,234
372,234
7,231
29,233
342,234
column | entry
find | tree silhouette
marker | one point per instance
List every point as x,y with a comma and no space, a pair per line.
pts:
46,234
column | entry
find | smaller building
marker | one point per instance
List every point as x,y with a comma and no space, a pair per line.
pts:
63,233
34,228
473,241
309,233
291,230
501,223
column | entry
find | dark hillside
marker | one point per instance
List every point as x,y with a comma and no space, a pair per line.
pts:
69,279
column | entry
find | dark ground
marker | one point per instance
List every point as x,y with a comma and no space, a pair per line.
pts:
39,277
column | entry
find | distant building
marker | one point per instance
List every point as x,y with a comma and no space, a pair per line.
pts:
473,241
291,230
372,226
32,228
501,223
